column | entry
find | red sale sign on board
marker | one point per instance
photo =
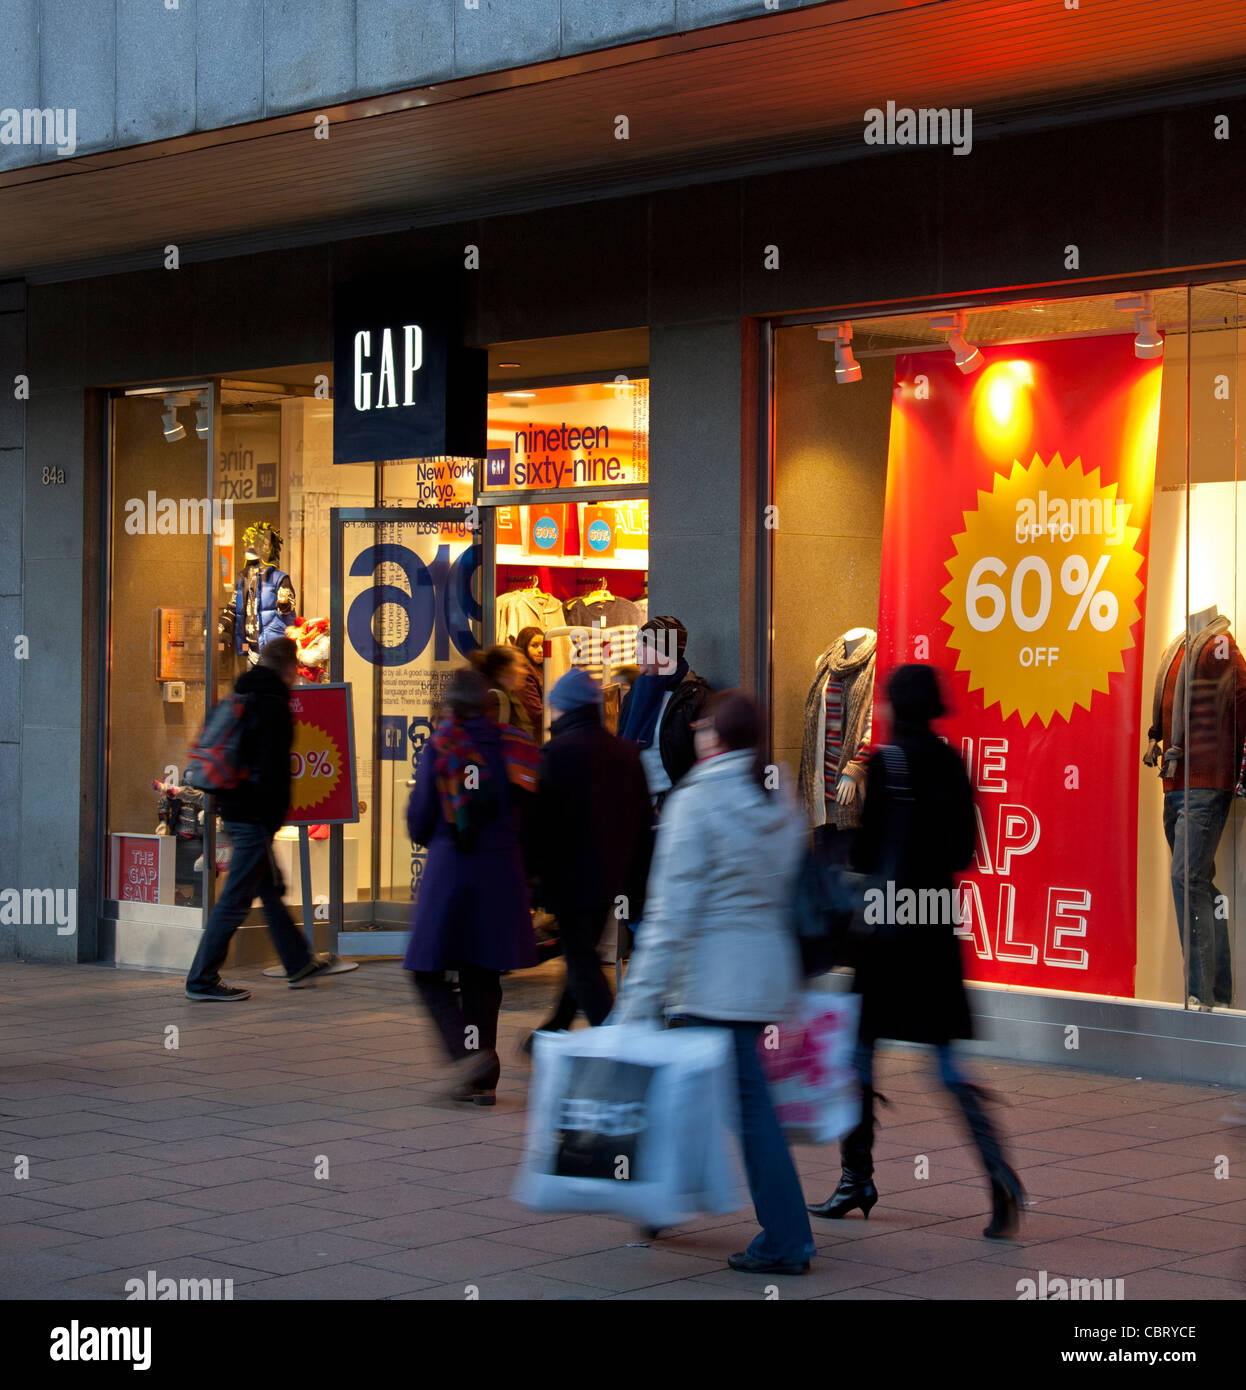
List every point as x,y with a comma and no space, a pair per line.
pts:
1014,558
322,757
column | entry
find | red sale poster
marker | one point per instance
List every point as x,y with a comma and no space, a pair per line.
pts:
1015,534
322,757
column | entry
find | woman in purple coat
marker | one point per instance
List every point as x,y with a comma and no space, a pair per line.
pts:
472,913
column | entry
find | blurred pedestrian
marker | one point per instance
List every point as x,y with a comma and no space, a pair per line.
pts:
253,812
514,697
472,913
918,824
664,702
594,840
718,952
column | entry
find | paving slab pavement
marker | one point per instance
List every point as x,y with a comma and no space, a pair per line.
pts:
297,1144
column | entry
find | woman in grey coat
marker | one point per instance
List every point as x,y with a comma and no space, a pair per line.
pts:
717,949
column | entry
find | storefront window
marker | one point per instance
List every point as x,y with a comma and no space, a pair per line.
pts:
571,568
164,529
1010,496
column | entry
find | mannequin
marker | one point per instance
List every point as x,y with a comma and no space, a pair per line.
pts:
835,749
263,595
1196,732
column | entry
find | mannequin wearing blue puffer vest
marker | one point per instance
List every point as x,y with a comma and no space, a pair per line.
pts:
263,607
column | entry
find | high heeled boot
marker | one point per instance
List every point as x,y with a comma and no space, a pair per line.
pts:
856,1180
1007,1193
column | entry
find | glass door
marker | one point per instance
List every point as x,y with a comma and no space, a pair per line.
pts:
406,597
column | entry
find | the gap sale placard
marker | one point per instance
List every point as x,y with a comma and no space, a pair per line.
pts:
1015,531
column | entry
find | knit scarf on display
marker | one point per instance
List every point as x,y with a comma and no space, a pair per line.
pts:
856,674
640,718
1175,751
454,753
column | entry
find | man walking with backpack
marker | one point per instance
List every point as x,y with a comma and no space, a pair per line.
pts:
253,812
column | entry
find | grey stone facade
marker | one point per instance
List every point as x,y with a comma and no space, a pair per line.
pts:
144,70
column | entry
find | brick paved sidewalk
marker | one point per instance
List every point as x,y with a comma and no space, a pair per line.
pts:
199,1163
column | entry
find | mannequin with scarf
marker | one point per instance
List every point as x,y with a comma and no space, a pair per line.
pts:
263,596
472,911
835,749
664,703
1196,733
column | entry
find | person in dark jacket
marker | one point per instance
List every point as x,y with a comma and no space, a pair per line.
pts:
253,812
594,839
472,912
665,702
909,974
531,642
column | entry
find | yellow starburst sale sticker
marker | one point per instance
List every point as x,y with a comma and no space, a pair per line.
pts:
1043,592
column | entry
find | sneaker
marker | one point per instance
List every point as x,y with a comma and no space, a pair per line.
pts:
219,993
1195,1004
306,977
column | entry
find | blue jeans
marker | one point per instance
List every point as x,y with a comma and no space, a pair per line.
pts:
1194,820
253,873
772,1180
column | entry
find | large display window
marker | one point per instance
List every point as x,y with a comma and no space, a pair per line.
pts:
565,486
1040,499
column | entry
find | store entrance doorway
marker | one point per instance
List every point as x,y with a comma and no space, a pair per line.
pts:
405,599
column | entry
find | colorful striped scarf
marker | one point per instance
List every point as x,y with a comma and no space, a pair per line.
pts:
463,782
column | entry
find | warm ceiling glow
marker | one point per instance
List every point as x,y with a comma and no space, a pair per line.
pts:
1003,413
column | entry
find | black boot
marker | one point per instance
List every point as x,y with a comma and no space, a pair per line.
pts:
856,1187
1006,1190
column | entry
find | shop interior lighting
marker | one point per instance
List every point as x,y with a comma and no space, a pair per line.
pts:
1147,341
967,357
201,417
173,427
847,368
520,395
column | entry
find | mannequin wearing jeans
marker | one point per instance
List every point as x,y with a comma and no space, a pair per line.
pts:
1196,735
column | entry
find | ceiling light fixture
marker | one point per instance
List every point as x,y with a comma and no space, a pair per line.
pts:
173,428
967,357
201,417
520,395
847,368
509,364
1147,340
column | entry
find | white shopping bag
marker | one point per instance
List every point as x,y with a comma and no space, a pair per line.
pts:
808,1066
632,1120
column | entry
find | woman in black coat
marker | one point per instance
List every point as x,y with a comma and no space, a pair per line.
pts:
917,831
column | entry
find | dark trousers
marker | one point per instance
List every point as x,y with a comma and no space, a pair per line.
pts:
586,989
253,873
1193,824
772,1179
467,1019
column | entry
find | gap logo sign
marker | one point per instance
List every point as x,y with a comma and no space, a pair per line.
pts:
407,388
498,468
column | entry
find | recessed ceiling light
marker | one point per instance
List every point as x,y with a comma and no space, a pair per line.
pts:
508,364
520,395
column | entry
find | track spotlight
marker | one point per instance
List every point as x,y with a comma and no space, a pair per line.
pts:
173,428
1147,341
201,417
966,356
846,366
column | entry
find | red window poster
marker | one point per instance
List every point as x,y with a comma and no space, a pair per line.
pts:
142,868
322,757
1015,536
